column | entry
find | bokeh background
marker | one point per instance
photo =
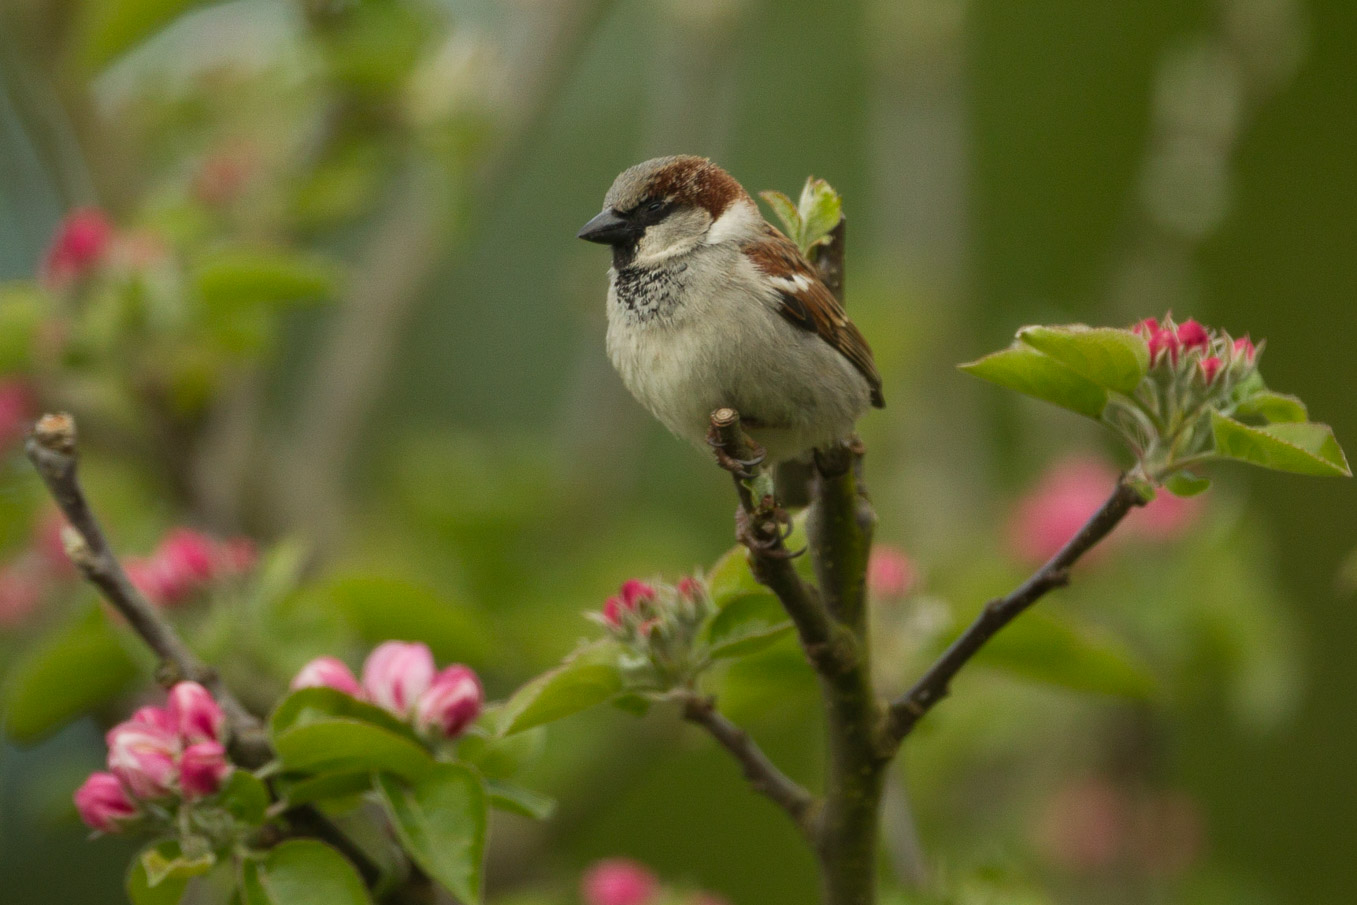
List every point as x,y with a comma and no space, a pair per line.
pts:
345,315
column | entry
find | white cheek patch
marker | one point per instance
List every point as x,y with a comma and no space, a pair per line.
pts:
740,220
676,234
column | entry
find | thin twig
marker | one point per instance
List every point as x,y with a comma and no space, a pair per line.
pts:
909,708
763,775
51,446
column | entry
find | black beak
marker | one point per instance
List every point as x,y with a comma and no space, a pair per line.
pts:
608,229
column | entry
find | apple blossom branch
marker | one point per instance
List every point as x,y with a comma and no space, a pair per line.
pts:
51,447
763,775
906,710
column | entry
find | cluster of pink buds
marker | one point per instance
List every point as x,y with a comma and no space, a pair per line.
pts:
161,753
1189,347
660,624
78,248
401,678
622,881
187,562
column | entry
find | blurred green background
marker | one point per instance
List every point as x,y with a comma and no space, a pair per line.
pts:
447,416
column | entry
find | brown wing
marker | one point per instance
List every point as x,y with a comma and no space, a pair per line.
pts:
808,303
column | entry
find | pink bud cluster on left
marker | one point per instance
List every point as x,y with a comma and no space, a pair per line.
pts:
402,678
161,753
187,562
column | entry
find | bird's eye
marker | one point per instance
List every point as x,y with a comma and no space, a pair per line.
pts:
654,205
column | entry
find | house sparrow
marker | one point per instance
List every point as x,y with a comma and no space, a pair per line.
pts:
710,306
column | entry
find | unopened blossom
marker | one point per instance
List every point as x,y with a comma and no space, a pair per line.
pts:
1245,349
630,596
890,573
185,563
619,881
155,717
202,768
396,674
328,672
451,703
195,713
103,803
1210,366
1192,335
79,246
143,757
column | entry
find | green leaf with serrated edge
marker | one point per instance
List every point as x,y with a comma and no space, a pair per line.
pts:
169,862
1023,368
1058,651
230,277
1306,448
785,210
326,787
1186,484
314,705
589,677
1273,407
501,757
821,209
441,821
746,625
166,889
63,677
302,872
348,746
515,799
245,796
1115,359
111,27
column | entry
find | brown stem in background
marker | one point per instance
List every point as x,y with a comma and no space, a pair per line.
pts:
763,775
909,708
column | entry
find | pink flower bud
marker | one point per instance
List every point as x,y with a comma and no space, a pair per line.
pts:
156,717
1210,366
396,674
634,591
20,595
613,609
194,713
149,576
328,672
1244,347
690,588
80,243
1146,328
142,757
1163,341
188,555
202,767
890,573
1193,335
451,703
103,803
618,881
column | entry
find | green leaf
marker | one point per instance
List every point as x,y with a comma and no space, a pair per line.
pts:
588,678
517,800
348,746
785,210
747,625
1115,359
1059,651
501,757
312,705
245,796
112,27
302,872
149,882
1274,407
1023,368
1303,448
821,208
730,578
441,821
1186,484
380,608
64,677
168,861
328,786
235,276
